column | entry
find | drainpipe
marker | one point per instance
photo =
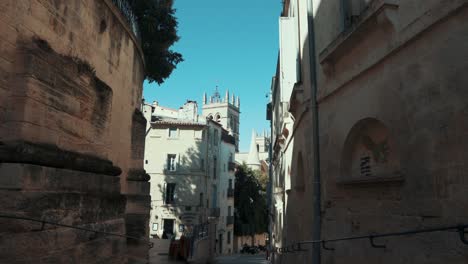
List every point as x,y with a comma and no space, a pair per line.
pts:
270,184
316,225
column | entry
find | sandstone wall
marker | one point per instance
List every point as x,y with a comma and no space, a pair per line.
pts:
71,76
400,82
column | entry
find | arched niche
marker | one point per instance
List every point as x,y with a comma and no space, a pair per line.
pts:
369,154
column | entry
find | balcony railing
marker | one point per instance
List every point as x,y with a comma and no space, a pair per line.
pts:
215,212
231,166
126,10
230,192
229,220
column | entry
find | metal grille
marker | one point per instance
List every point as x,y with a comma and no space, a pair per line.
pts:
127,12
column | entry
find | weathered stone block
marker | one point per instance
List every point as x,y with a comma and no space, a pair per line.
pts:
138,204
67,208
136,187
50,94
58,240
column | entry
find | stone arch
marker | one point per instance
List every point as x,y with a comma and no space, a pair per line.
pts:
217,117
369,154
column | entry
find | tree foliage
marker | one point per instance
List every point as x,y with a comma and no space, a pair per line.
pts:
157,25
251,215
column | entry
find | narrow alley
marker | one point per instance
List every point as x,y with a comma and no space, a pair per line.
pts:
223,132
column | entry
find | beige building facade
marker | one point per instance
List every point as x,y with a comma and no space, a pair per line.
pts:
387,78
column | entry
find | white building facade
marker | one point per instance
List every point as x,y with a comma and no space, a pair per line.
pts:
258,152
288,76
190,161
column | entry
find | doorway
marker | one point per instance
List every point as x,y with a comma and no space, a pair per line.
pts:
220,244
168,228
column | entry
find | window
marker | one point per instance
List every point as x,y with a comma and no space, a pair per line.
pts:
146,161
230,183
202,164
181,228
215,137
170,193
201,199
229,210
229,237
214,200
352,9
173,132
155,227
215,162
171,162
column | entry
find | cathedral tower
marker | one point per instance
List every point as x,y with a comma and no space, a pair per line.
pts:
225,111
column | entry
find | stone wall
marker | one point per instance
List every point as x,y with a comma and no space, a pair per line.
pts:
392,93
416,94
71,75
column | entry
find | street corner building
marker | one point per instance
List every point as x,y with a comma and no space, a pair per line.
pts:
369,120
71,134
190,160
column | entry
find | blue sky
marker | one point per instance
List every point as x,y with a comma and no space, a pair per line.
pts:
232,44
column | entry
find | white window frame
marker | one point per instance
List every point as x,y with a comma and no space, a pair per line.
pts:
169,165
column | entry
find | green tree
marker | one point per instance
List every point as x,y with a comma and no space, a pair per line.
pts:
262,179
158,32
250,203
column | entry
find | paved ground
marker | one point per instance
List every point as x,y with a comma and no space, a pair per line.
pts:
159,253
242,259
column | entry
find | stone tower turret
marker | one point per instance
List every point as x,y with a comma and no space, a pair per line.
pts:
253,160
226,112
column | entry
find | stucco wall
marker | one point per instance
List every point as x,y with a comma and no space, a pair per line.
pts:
227,150
189,176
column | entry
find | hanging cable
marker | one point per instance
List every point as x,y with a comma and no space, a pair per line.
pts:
44,222
460,229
